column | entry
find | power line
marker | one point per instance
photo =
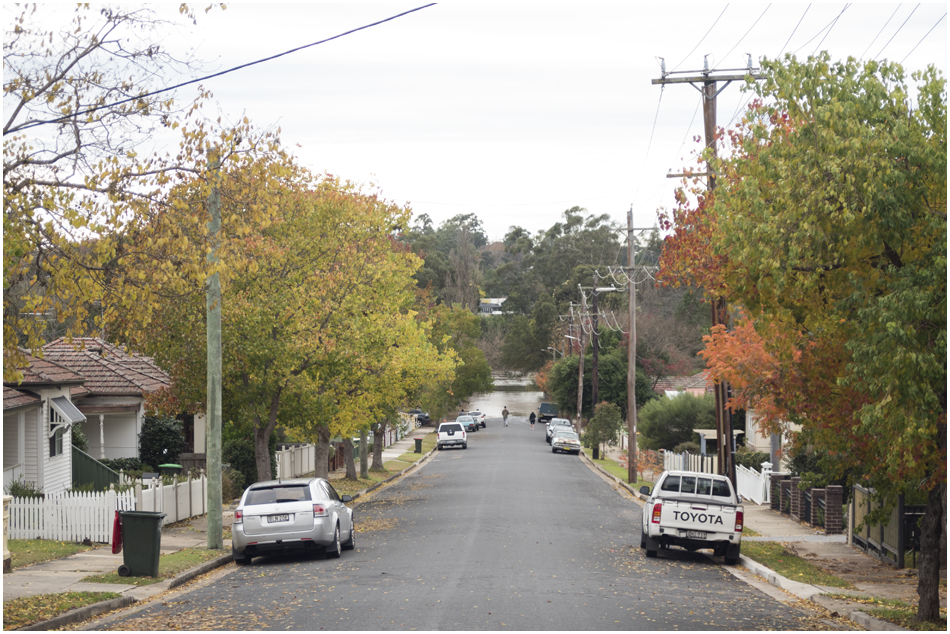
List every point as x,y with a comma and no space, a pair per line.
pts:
224,72
790,36
826,27
924,37
747,32
701,40
831,26
897,31
881,31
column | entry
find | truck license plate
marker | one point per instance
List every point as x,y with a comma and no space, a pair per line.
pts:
278,518
696,534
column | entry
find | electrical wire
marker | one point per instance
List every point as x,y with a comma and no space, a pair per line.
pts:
224,72
747,32
897,31
826,27
646,156
924,37
791,36
831,26
703,38
881,31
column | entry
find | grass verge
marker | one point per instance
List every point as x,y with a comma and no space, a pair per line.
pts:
169,566
613,468
26,552
775,556
896,612
21,612
351,487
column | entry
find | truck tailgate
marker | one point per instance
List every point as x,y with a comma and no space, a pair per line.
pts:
698,516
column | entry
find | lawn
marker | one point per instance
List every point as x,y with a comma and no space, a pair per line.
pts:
169,566
896,612
351,487
20,612
775,556
613,468
26,552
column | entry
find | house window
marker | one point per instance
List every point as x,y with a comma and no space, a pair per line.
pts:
56,440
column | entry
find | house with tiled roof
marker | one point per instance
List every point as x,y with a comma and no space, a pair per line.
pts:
38,415
112,396
697,385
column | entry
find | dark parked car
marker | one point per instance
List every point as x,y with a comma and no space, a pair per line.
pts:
422,418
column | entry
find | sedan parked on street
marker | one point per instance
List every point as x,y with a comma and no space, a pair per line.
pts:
468,422
565,440
279,516
556,425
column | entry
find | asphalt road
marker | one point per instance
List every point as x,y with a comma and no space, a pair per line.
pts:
503,535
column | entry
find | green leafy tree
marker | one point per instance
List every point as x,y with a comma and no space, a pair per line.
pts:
162,440
604,428
829,229
664,423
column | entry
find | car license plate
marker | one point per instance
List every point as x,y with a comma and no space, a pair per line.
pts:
696,534
278,518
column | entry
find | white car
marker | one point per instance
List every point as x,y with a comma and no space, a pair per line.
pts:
565,440
556,425
693,510
479,417
452,435
289,515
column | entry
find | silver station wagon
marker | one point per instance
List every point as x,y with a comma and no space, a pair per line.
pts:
280,516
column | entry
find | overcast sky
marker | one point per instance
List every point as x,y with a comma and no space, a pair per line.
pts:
516,111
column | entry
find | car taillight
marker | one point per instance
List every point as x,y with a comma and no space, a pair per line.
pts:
319,510
238,517
739,521
656,513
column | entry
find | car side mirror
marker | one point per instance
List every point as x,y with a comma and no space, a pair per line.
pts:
346,498
645,490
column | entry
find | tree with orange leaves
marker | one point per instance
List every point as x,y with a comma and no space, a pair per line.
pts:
828,229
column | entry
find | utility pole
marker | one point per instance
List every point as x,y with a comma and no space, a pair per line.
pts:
580,370
213,304
708,79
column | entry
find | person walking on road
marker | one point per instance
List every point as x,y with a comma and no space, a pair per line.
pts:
504,415
531,419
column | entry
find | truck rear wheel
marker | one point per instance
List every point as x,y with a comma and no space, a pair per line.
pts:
650,545
732,555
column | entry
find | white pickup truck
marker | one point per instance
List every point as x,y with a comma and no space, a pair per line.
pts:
452,435
692,510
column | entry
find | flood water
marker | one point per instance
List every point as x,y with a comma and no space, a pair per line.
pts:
521,396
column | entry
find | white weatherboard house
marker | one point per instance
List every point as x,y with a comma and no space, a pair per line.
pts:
38,416
112,397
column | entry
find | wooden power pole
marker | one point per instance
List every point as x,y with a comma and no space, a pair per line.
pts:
706,82
213,401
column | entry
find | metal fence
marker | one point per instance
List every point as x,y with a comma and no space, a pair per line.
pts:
897,541
87,469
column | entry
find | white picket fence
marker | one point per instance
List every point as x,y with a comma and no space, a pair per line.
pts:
753,485
180,500
69,516
690,462
296,461
79,516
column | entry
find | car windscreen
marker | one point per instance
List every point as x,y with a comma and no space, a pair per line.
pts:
278,493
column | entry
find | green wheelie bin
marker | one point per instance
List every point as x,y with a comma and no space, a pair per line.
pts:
142,539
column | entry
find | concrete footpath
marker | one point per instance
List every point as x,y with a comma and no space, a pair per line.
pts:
65,575
870,577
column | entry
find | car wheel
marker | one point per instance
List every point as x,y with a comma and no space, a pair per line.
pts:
465,446
643,542
440,447
350,544
334,550
553,450
239,558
